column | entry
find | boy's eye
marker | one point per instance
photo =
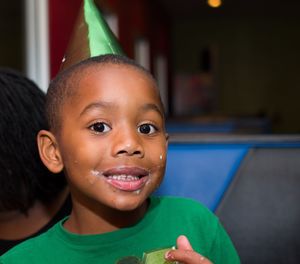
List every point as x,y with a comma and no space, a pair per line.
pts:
100,127
147,129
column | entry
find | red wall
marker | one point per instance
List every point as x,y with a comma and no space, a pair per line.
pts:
62,16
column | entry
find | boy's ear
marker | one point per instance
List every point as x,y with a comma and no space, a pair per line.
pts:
49,151
167,139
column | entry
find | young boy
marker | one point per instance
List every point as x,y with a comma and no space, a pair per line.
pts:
107,133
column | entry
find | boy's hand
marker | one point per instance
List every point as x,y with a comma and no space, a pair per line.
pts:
185,253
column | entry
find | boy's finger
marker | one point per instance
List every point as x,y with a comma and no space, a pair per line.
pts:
183,243
186,256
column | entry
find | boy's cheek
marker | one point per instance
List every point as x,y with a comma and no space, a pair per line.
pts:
159,159
160,166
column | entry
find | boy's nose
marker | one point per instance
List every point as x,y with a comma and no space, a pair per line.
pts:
128,144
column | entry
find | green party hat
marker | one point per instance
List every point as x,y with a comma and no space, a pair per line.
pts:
91,36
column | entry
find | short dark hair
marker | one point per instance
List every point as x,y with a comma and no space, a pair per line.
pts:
64,85
23,177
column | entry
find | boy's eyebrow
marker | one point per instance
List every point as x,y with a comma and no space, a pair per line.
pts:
154,107
99,104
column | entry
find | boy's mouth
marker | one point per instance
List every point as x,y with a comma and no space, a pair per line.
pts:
128,179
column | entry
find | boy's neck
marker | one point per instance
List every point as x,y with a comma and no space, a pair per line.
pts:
92,221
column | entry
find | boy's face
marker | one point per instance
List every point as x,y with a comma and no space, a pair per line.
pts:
113,142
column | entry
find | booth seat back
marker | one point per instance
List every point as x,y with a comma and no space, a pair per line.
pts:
252,183
201,172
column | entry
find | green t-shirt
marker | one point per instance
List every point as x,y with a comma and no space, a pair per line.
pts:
166,219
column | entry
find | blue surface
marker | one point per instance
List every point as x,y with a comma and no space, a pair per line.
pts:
228,125
224,127
201,172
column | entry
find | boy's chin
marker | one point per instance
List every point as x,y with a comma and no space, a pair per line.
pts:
127,204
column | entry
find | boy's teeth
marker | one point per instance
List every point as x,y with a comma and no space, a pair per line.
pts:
123,177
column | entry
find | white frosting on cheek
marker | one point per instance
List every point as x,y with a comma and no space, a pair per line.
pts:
93,176
95,173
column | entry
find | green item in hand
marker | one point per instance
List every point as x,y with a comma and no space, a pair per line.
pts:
157,256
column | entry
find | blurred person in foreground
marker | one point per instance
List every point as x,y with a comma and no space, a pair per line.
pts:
32,199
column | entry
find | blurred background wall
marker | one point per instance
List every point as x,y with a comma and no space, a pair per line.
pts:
12,34
236,64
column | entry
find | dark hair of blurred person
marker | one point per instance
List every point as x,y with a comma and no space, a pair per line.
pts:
32,199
